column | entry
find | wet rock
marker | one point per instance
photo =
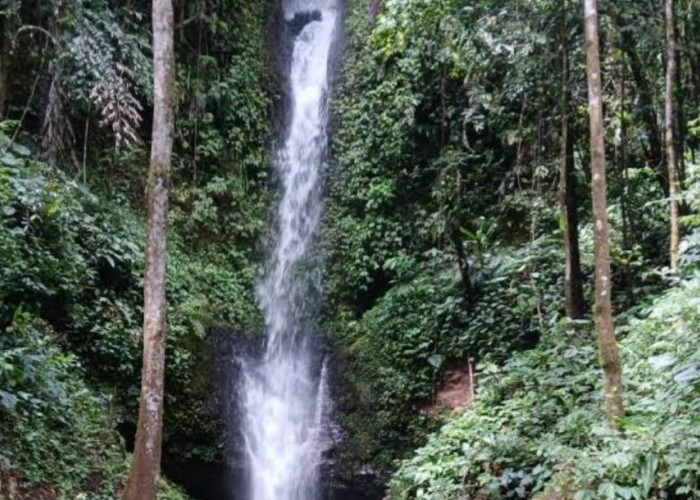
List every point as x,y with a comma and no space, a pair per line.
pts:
363,485
202,481
301,19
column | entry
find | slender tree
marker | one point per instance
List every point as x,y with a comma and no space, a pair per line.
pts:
575,304
4,63
607,345
673,183
145,468
645,93
374,8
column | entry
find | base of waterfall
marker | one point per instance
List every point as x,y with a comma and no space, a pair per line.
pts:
227,479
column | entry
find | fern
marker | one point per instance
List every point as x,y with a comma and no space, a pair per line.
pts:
109,70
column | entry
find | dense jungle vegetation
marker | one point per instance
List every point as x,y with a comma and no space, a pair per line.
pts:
76,102
458,240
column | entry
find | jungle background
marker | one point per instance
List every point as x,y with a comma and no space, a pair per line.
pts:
442,241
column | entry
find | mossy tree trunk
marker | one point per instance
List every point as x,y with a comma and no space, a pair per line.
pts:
573,281
607,344
673,183
145,469
4,64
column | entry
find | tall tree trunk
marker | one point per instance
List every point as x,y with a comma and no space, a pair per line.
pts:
374,8
628,233
607,345
4,64
145,468
646,98
673,183
573,281
679,113
693,63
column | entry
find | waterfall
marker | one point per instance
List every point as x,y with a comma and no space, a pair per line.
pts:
284,398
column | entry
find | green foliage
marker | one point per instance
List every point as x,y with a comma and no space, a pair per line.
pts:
412,323
168,491
428,147
76,263
223,135
106,63
420,193
690,246
443,197
71,261
537,423
400,347
53,429
71,253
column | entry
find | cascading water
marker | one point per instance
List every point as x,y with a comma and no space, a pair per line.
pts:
284,398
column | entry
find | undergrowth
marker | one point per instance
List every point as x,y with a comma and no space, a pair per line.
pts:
537,423
55,438
70,317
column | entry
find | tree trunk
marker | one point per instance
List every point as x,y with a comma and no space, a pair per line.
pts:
145,468
608,350
462,262
374,8
693,63
628,233
4,65
679,114
673,183
646,99
573,282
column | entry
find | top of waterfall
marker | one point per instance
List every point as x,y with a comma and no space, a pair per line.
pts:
301,19
294,7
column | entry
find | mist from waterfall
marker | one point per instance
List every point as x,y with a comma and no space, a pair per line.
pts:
284,397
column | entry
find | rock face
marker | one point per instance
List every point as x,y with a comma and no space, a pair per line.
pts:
216,481
363,485
201,481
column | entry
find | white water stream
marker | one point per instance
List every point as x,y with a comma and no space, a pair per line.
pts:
284,399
